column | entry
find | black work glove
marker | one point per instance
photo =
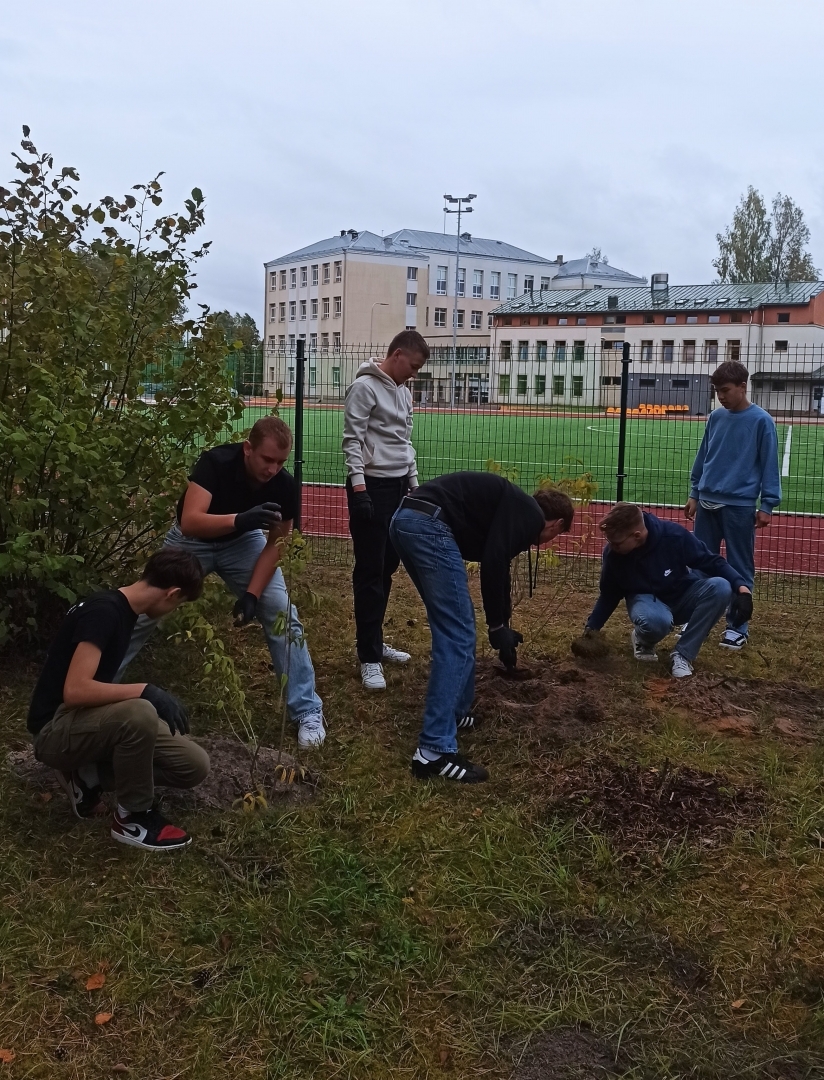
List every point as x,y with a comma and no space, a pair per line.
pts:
244,609
741,608
361,506
506,641
259,517
169,709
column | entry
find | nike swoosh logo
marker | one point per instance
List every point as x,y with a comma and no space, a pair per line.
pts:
136,831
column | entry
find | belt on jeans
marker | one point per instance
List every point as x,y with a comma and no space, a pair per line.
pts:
420,506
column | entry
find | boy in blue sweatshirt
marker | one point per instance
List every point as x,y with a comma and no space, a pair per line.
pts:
736,465
666,576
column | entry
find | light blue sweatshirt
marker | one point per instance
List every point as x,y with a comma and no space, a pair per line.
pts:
737,461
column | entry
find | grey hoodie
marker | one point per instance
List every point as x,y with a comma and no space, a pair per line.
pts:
377,427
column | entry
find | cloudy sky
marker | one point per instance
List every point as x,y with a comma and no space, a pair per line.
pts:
633,125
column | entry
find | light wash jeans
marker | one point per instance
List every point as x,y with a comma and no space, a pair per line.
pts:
234,561
431,557
700,606
735,525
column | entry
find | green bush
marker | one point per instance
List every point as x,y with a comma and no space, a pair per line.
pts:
107,388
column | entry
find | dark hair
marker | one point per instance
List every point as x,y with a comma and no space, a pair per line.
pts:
729,372
622,519
174,568
555,505
409,341
270,427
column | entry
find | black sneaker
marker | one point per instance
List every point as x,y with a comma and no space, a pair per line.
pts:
470,722
85,801
149,830
450,767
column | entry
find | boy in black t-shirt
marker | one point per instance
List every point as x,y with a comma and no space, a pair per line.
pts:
122,737
236,491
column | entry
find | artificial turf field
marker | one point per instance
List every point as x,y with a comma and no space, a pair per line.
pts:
658,457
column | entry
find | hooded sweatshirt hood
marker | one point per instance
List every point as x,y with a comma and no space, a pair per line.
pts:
377,427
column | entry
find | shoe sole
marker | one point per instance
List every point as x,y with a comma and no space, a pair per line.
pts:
732,648
651,658
386,660
132,842
448,779
374,689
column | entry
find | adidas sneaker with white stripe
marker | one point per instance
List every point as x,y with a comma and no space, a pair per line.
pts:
448,767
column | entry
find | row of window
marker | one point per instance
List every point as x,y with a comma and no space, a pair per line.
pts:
313,340
317,271
620,320
494,287
476,318
298,309
558,385
667,350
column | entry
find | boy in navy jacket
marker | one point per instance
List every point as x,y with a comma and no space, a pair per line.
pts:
666,576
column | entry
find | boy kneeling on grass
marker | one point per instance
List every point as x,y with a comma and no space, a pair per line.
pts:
666,576
123,737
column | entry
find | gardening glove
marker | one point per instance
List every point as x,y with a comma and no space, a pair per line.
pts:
506,641
259,517
362,508
169,709
244,609
741,608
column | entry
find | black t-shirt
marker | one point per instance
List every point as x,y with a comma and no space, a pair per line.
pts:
106,619
222,471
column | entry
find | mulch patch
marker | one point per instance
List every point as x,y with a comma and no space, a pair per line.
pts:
565,1054
636,804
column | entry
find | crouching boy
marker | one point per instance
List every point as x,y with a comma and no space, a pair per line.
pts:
666,576
123,737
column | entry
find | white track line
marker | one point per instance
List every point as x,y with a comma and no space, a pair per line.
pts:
785,461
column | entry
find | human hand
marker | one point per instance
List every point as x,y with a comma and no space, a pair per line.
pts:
168,708
259,517
741,607
690,506
762,519
361,505
244,610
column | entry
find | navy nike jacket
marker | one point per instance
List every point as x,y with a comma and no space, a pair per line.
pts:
664,566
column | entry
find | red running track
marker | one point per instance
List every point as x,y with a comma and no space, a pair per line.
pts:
793,544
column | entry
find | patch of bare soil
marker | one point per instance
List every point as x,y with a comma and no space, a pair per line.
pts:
636,804
565,1054
229,778
745,707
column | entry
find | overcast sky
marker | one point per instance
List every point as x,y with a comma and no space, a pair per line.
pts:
631,124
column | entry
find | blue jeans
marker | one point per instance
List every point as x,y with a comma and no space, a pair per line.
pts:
428,551
735,525
701,606
234,561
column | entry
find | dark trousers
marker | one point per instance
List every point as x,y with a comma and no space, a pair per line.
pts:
375,562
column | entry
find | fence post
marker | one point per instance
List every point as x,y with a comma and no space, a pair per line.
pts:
300,374
622,424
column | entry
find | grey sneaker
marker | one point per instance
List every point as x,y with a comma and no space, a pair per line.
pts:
395,656
372,677
681,667
311,731
642,652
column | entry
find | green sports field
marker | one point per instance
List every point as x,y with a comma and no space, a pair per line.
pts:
658,461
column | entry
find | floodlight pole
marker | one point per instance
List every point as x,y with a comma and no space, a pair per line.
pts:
465,210
622,423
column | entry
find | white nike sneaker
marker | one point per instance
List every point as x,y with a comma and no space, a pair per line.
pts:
681,667
311,731
372,676
395,656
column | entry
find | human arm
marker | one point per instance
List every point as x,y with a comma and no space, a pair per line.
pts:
516,524
609,596
81,690
690,506
770,477
357,410
698,469
262,573
412,476
196,521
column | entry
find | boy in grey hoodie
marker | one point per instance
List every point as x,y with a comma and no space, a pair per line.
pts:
380,463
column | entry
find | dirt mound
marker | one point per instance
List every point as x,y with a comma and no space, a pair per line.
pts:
228,780
636,804
565,1054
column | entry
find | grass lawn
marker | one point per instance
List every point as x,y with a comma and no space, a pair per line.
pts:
635,889
659,452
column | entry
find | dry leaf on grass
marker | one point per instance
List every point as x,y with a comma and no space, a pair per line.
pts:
94,982
120,1068
7,1056
102,1018
738,1004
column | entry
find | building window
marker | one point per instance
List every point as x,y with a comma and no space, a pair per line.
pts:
314,273
282,312
313,376
283,279
476,320
688,352
511,286
679,384
411,299
610,380
326,273
735,317
461,281
281,339
338,271
560,350
714,318
540,350
506,350
540,385
460,314
783,316
440,283
649,318
667,351
314,309
563,321
710,352
778,386
336,378
272,312
646,350
336,340
581,320
304,276
503,386
440,316
324,341
545,283
302,310
669,320
325,307
558,385
495,285
523,350
411,273
489,321
692,318
477,284
293,310
647,383
313,341
521,384
338,306
578,352
273,279
293,278
733,350
781,346
529,283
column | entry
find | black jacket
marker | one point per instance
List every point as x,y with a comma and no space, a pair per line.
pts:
492,522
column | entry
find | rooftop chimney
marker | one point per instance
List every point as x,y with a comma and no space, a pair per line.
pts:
353,233
343,232
466,236
559,259
659,283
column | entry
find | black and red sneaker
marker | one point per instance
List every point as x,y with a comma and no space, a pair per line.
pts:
148,829
85,801
448,766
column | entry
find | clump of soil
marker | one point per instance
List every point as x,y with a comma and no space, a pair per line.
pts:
636,804
229,778
565,1054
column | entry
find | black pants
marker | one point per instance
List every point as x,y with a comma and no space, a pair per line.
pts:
375,562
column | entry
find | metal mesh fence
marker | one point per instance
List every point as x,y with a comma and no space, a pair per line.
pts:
537,409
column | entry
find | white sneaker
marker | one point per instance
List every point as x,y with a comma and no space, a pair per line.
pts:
372,676
681,667
311,731
731,639
395,656
642,652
